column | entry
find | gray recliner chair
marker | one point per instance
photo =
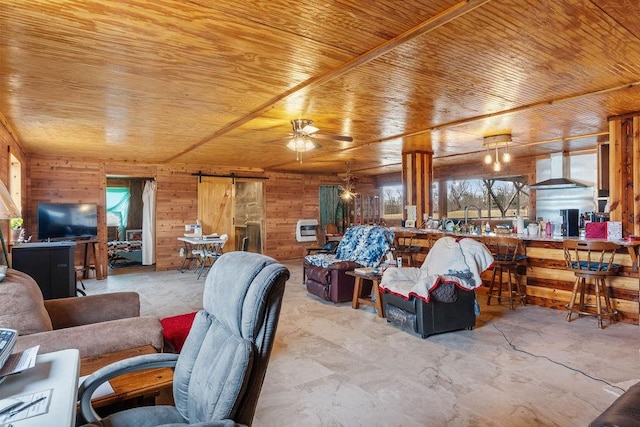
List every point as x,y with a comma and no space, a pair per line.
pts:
220,370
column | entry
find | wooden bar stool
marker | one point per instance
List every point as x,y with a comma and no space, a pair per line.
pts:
508,254
591,260
403,246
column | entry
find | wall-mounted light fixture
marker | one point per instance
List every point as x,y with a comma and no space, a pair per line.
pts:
496,142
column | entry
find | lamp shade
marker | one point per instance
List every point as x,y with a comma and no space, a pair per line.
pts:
8,208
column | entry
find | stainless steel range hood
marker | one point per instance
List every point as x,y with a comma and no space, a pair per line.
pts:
558,179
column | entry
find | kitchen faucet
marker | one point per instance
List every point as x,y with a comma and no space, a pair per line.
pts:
466,212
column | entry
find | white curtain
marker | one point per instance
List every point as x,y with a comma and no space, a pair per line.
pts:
149,223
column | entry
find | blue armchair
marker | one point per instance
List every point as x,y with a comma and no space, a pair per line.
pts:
219,373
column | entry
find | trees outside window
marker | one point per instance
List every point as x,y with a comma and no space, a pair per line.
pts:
392,202
496,198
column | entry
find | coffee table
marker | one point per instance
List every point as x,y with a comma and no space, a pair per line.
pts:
135,385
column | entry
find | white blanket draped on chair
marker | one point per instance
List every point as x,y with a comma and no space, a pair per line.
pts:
449,261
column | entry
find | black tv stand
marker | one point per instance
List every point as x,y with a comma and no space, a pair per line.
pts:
50,264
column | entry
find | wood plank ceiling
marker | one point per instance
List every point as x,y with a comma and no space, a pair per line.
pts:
218,81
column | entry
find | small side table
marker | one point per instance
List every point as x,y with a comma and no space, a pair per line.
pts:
357,291
135,387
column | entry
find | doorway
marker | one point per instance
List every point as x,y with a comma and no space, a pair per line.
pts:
130,216
234,207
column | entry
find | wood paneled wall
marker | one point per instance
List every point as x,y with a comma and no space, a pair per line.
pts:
289,197
7,146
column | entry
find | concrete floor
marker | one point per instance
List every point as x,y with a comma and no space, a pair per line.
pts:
336,366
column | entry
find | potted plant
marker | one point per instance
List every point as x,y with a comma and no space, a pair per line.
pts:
16,227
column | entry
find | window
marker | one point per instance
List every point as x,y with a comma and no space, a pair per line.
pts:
392,202
435,199
494,198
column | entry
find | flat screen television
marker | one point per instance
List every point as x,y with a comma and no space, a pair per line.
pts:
67,220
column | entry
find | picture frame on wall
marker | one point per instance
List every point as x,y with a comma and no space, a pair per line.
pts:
134,235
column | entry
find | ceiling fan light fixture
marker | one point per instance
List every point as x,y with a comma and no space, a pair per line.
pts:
304,137
300,144
310,144
348,190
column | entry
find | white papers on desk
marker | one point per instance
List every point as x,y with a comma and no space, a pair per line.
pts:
18,362
103,389
38,408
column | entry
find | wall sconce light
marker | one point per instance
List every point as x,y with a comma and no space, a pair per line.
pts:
496,142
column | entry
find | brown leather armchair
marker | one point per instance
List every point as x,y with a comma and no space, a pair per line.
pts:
362,246
95,325
332,283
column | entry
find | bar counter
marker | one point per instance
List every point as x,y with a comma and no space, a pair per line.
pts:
547,281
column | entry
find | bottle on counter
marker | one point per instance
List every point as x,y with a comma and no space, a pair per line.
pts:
548,228
487,228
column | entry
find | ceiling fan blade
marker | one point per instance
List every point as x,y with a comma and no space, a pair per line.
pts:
333,137
308,129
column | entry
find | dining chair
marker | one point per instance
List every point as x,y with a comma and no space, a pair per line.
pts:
211,253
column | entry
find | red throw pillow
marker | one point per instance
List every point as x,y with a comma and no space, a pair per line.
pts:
176,328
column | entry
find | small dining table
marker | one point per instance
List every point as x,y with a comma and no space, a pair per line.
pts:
193,244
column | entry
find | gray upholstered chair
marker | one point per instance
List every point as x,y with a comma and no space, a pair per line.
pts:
219,372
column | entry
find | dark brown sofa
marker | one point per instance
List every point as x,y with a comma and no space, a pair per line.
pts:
95,325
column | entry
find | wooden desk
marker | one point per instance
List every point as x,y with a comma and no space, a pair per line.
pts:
366,300
134,385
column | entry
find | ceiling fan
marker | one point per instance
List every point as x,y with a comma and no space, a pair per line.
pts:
305,137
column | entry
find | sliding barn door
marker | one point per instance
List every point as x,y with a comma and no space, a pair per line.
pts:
215,208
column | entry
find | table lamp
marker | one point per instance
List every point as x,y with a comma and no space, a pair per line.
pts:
8,210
